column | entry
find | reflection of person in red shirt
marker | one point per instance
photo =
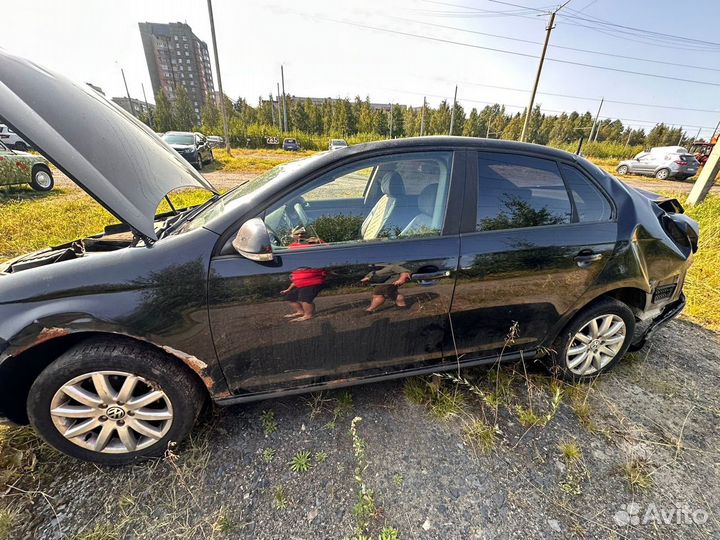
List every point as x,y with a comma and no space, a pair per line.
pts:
305,283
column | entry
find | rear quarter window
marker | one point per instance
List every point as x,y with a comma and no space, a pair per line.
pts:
590,204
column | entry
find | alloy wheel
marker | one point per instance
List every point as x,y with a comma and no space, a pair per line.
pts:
596,344
112,412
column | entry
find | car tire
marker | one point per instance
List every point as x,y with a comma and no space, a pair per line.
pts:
623,169
582,351
662,174
165,420
42,179
199,164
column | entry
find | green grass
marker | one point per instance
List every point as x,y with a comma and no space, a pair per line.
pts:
254,161
702,286
32,220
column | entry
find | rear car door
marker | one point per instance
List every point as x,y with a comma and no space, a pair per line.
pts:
345,247
543,231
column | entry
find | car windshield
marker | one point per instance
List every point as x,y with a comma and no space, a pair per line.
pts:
178,138
233,199
291,141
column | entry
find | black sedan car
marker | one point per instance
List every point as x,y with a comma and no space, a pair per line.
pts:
194,147
384,260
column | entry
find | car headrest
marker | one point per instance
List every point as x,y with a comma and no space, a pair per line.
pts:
426,199
392,184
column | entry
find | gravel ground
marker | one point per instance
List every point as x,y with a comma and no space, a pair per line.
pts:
657,412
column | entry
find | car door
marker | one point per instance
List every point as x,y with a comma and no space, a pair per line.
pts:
14,168
339,249
646,163
543,231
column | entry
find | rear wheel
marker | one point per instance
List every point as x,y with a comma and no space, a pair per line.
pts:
42,179
622,169
113,402
594,341
662,174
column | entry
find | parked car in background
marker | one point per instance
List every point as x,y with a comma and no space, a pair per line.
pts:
11,139
291,145
22,168
409,256
192,146
216,141
336,144
661,164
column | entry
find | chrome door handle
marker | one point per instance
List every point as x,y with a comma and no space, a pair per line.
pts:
584,260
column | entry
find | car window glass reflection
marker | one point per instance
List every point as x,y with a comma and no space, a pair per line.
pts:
382,199
520,191
590,204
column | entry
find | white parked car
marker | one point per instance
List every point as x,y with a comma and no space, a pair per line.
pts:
11,139
336,144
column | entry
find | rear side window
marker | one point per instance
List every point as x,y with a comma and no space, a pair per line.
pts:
590,204
519,191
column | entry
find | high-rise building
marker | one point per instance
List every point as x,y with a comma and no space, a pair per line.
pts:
177,57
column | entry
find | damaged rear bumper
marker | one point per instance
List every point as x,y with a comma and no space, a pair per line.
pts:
670,312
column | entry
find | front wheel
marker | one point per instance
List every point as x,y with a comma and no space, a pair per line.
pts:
594,341
42,179
113,402
622,169
662,174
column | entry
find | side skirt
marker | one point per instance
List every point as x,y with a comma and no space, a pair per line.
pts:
341,383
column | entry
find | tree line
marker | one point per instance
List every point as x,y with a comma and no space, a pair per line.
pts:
358,119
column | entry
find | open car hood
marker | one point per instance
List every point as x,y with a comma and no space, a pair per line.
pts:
113,156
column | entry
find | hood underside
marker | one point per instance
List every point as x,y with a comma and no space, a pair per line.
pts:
113,156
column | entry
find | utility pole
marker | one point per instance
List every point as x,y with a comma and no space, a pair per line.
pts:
707,177
282,78
147,107
391,120
272,109
681,136
528,113
595,121
422,119
132,107
628,139
278,108
217,69
452,112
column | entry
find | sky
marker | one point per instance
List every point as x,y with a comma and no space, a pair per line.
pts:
399,51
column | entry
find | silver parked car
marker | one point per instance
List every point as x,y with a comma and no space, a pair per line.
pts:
661,165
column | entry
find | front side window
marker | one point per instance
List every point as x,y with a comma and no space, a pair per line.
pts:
520,191
386,198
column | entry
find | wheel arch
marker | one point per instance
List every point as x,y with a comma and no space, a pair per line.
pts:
19,371
633,297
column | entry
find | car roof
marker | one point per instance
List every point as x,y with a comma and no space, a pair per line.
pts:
179,133
471,143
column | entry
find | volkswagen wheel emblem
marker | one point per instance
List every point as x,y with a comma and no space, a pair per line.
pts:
115,413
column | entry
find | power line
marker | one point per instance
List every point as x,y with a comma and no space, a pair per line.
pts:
661,38
661,35
514,53
670,107
575,49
